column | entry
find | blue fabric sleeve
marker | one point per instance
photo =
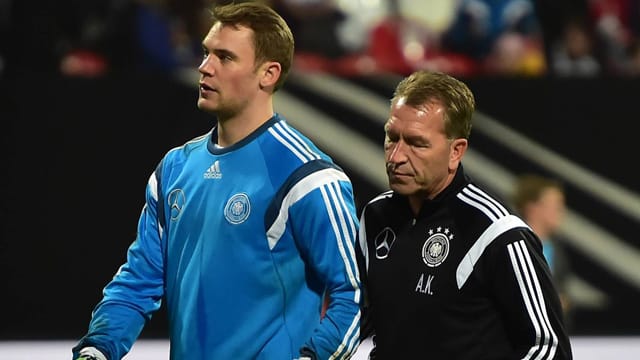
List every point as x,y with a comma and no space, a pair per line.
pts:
325,227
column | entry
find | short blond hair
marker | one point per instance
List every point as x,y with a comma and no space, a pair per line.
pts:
424,86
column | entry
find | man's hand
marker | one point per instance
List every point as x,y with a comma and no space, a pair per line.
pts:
91,353
306,354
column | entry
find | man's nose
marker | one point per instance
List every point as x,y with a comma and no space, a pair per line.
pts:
205,66
397,154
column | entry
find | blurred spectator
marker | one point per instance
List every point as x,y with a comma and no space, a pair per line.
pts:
92,38
464,37
632,64
513,54
404,40
96,37
553,15
461,37
359,18
604,32
574,54
399,43
612,24
480,23
169,33
541,203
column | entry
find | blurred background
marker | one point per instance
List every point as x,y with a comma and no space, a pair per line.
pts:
93,93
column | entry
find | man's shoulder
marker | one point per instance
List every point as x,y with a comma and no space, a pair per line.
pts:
381,200
480,198
477,209
382,208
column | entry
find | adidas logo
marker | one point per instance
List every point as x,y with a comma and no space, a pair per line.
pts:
213,172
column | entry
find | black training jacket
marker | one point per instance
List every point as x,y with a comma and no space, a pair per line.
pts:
466,279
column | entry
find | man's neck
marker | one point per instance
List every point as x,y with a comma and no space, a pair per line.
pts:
235,128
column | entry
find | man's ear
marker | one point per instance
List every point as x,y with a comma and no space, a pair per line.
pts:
270,71
458,148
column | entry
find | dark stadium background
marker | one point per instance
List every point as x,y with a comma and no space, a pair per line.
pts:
77,154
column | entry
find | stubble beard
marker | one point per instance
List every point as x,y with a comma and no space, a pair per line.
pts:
221,109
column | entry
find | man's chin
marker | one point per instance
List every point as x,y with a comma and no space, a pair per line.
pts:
205,106
401,187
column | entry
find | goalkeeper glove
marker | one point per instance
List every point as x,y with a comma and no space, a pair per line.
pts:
307,354
91,353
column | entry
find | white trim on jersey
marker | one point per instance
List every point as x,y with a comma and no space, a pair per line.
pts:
546,339
362,237
384,195
491,233
297,192
326,181
153,186
293,143
483,202
362,234
294,137
347,226
330,195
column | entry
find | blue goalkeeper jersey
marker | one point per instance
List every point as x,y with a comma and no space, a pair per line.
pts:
242,243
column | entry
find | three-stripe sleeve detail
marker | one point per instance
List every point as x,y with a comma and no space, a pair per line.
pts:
477,198
332,196
546,339
546,342
293,142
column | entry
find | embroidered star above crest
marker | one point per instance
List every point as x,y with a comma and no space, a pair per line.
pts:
446,232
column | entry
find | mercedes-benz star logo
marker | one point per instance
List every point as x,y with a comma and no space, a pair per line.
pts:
176,201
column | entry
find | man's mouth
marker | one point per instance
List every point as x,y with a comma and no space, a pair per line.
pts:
205,87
